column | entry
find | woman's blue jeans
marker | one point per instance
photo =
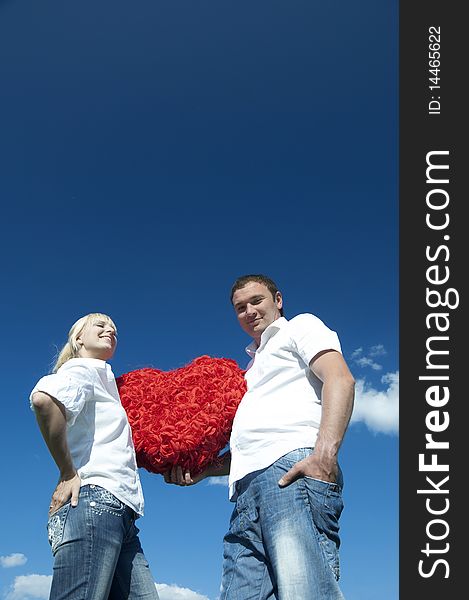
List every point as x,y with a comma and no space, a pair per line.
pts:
97,552
283,542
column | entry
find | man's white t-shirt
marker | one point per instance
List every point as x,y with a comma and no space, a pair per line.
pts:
281,409
98,431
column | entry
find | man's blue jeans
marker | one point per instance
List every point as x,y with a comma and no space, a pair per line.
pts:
283,542
97,551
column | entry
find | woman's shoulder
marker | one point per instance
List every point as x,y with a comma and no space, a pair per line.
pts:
82,369
84,363
72,375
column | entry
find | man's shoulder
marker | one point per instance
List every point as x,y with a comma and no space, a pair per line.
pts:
307,324
304,320
309,335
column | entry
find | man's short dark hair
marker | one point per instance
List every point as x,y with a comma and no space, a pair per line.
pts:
258,278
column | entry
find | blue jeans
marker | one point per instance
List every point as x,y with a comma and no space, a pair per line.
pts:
283,542
97,551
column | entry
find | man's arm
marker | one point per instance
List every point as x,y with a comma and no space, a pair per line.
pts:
337,403
218,469
50,415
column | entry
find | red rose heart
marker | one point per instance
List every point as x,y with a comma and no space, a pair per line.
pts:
182,417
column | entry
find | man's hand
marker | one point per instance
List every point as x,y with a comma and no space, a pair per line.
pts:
219,468
179,477
312,466
68,488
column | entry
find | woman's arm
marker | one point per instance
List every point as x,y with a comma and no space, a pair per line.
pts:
50,415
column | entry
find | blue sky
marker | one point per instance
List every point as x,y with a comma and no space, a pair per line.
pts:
150,153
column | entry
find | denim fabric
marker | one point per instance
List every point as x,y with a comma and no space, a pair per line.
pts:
97,552
283,542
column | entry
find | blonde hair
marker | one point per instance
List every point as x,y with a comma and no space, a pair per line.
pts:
71,348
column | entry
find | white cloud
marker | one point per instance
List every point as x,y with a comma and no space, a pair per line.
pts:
174,592
378,350
379,410
221,480
368,362
363,359
30,587
13,560
37,587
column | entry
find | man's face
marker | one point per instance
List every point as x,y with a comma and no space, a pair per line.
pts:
255,308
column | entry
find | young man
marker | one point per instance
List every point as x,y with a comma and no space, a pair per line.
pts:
283,466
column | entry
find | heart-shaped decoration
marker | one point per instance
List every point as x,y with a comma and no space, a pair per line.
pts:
182,417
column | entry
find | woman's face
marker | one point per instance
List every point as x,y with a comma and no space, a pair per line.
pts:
97,340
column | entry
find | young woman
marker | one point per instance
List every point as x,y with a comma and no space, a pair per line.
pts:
91,526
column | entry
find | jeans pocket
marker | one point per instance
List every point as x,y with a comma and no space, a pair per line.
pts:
245,520
327,492
103,500
326,505
326,502
56,527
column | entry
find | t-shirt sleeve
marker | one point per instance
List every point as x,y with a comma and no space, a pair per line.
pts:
72,388
310,336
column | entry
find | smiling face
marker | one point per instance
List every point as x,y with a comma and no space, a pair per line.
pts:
97,339
256,308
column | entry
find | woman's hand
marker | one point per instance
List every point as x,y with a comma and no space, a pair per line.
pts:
68,488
